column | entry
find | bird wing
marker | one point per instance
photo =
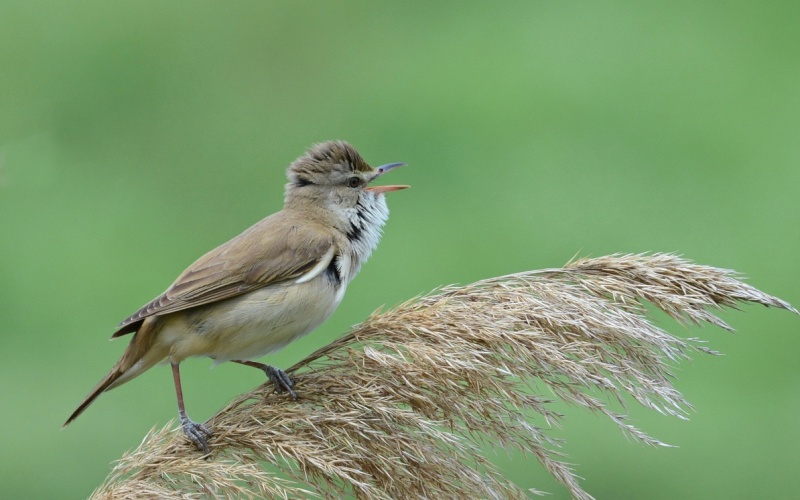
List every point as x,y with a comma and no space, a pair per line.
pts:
276,249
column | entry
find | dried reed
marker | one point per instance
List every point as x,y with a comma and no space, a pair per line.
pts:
401,406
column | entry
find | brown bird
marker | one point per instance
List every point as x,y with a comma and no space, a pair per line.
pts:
275,282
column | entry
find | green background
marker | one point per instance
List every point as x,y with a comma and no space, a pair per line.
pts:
135,136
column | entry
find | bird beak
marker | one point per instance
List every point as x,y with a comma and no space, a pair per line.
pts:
382,170
385,168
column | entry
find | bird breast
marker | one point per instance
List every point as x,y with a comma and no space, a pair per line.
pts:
254,324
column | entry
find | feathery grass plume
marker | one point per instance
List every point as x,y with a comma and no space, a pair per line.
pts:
401,405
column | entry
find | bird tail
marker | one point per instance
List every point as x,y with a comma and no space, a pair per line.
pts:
101,387
140,355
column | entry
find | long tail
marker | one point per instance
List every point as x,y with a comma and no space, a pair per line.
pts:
101,387
140,355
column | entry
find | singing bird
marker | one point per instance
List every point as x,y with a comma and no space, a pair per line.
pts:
275,282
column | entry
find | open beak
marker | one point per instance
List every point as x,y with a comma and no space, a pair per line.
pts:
382,170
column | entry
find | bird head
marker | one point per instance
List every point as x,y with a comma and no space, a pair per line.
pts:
334,174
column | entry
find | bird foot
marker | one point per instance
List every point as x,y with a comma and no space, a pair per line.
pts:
197,433
280,379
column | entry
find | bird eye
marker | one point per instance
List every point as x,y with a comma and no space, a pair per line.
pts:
353,182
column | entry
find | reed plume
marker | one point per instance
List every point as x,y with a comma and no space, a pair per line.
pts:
406,403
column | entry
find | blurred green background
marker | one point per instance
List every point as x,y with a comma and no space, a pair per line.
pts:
135,136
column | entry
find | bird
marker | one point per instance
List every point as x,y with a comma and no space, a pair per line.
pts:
273,283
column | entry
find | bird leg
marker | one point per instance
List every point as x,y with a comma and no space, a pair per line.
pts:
276,375
196,432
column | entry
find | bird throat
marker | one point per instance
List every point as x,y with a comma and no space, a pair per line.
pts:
364,225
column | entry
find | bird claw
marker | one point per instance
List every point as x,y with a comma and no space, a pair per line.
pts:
197,433
281,380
